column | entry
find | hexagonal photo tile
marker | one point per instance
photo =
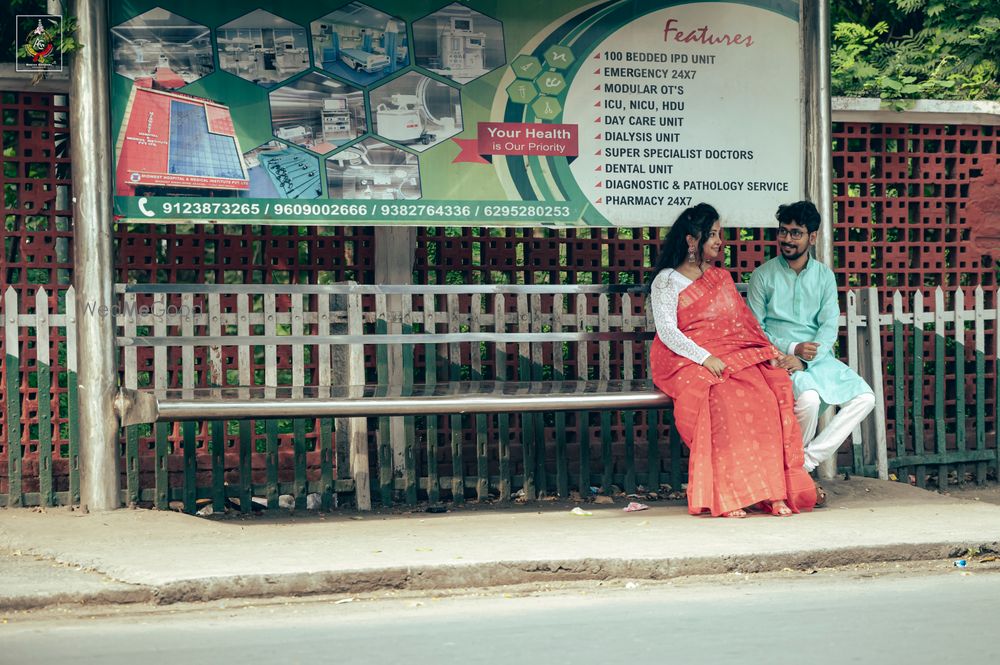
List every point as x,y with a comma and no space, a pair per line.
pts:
372,170
526,67
546,108
317,112
416,110
559,57
262,48
359,43
459,43
160,49
280,171
521,92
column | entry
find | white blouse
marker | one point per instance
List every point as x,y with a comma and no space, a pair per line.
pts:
663,299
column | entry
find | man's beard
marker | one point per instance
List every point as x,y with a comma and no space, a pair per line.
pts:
793,257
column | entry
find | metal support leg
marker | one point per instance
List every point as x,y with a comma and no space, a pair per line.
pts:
93,274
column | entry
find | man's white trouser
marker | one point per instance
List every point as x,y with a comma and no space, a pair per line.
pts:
820,448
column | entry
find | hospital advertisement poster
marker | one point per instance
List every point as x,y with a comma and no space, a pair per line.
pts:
559,113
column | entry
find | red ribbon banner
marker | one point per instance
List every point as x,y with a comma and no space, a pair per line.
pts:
518,138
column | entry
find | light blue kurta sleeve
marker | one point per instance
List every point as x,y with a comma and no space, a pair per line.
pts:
758,295
828,315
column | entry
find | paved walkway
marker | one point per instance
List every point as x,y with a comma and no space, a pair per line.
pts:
61,555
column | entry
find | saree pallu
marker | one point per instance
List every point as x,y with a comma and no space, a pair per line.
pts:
745,443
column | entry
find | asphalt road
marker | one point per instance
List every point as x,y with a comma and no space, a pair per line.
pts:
881,614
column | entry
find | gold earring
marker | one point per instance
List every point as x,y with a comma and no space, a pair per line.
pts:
691,256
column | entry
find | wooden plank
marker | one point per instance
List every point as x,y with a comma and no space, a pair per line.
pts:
536,321
653,457
940,441
132,489
996,383
73,398
189,428
271,380
559,374
385,469
299,484
408,430
653,421
918,385
853,358
960,316
527,422
898,361
430,378
979,318
500,360
583,417
161,381
482,429
628,417
357,427
324,377
43,374
875,362
454,373
604,373
245,426
217,427
12,365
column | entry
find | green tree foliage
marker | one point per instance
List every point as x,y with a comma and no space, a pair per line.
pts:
910,49
8,10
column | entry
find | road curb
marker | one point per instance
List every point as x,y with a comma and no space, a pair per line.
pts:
491,574
141,594
502,573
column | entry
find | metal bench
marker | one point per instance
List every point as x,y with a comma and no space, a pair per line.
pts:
384,351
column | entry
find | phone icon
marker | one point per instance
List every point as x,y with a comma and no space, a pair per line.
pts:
143,209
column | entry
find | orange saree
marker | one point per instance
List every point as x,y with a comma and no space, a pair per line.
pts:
745,442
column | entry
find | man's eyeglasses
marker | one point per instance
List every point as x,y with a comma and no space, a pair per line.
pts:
794,234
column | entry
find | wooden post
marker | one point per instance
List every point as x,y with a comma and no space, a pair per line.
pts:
394,257
873,429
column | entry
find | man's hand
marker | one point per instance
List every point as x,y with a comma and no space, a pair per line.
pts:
789,363
807,350
714,365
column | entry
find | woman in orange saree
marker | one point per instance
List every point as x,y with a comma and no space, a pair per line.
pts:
732,402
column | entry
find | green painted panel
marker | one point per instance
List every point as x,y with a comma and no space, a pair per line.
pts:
653,461
326,456
899,384
44,379
132,464
161,473
15,453
271,463
246,468
190,430
607,463
630,474
299,462
218,439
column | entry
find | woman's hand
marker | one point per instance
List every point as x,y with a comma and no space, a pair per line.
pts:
789,363
714,365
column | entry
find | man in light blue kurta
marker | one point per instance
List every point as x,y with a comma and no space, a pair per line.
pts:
794,297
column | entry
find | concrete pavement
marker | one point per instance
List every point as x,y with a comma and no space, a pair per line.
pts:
164,557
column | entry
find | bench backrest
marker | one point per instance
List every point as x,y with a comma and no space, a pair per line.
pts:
188,336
